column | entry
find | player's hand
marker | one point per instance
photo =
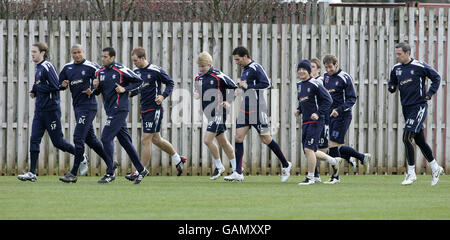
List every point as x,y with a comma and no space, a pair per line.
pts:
32,95
159,99
314,116
243,84
427,97
297,113
392,89
95,83
120,89
196,95
87,91
65,83
334,113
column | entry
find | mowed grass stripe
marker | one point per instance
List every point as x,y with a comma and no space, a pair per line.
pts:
259,197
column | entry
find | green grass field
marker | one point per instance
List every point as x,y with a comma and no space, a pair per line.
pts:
259,197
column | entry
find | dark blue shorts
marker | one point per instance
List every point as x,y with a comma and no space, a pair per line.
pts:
216,125
414,117
151,121
260,121
338,128
311,134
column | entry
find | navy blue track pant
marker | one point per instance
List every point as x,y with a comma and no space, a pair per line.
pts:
50,121
84,133
116,126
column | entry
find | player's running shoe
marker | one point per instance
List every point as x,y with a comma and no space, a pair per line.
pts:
68,178
29,176
234,177
132,176
409,179
436,175
180,165
307,181
217,172
366,162
141,176
333,180
286,172
317,179
107,178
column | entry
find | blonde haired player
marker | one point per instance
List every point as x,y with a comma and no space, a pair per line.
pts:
211,87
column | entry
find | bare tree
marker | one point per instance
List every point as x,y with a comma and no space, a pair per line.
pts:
148,10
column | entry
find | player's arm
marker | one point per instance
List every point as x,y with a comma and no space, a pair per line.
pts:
97,85
324,101
133,81
435,81
167,80
393,82
229,85
350,97
227,82
52,82
262,80
92,77
63,82
136,91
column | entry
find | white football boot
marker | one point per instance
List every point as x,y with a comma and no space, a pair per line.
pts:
409,179
286,172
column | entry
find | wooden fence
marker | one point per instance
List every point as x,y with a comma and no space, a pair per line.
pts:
362,38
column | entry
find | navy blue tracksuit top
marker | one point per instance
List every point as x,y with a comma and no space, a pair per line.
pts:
153,77
340,87
257,79
80,76
108,77
313,98
212,87
410,80
46,87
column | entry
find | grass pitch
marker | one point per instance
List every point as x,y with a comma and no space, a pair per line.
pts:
259,197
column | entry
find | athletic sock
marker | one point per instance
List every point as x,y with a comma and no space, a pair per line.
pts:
218,163
239,149
412,169
310,175
233,164
176,158
277,150
434,165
